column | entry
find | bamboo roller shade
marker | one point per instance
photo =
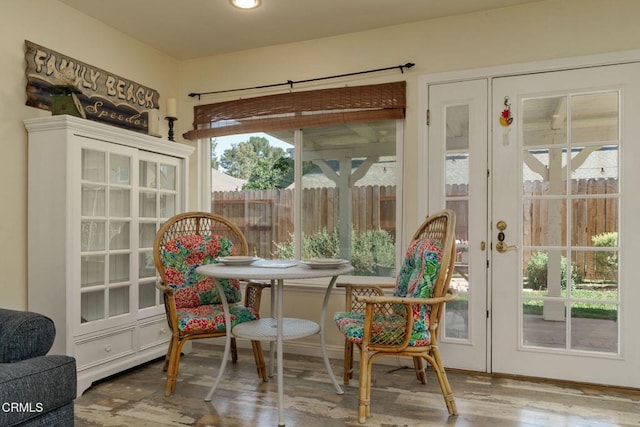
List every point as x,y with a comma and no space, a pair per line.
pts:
298,110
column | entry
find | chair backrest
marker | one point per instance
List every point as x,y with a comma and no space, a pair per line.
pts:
189,240
427,269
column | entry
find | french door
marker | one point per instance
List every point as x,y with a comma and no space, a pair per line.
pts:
458,164
543,193
564,149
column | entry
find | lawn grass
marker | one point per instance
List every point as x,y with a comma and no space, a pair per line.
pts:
602,304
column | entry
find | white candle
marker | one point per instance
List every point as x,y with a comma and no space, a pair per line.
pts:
171,107
153,125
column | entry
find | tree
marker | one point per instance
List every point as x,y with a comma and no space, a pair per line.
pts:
262,165
215,163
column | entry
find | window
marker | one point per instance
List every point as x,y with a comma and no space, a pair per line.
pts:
348,187
332,192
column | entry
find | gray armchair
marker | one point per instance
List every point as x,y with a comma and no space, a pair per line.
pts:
35,389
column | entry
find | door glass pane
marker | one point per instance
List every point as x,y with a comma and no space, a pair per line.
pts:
594,326
544,121
540,329
545,273
594,117
93,165
148,174
457,191
594,170
543,172
120,169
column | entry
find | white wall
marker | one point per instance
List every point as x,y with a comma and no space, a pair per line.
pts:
53,25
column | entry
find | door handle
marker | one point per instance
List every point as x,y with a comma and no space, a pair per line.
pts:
501,246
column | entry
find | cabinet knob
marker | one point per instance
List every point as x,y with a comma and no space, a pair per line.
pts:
107,348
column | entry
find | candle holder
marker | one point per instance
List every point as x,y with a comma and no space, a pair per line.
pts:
171,120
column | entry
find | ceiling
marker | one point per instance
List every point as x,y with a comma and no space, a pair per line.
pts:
187,29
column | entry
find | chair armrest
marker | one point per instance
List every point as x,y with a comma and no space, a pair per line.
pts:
356,286
253,294
376,299
388,321
164,288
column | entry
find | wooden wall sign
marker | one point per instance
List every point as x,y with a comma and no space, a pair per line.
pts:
104,96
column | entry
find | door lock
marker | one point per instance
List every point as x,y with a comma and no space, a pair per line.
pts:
502,246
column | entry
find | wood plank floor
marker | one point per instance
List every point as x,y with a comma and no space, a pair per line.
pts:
136,398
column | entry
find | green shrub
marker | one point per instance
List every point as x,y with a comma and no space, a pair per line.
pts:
370,249
537,272
606,262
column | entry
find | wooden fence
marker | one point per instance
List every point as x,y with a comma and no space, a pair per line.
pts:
266,216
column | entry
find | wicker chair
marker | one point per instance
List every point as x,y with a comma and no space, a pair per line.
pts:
406,324
191,301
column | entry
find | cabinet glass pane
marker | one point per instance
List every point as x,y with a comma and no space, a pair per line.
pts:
147,204
93,165
147,234
92,236
167,177
146,266
93,200
118,301
91,306
148,174
167,205
119,235
147,295
120,170
118,268
119,202
91,270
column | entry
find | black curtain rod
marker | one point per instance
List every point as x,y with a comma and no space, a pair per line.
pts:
290,83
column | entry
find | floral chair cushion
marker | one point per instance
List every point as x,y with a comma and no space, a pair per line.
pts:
210,317
182,255
417,276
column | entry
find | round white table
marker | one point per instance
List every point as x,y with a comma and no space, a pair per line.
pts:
277,328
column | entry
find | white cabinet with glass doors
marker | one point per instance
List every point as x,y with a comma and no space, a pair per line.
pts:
97,195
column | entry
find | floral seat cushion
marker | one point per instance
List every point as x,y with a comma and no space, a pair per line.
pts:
197,300
210,317
417,276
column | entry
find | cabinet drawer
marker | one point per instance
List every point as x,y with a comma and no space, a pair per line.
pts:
96,350
153,333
